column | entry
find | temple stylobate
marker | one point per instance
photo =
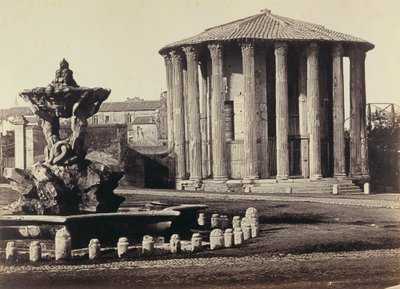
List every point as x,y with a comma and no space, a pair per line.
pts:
262,98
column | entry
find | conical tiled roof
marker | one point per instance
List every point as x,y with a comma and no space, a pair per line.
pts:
267,26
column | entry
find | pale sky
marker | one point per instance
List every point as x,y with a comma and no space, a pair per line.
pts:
114,44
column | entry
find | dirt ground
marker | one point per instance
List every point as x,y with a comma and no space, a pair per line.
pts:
301,245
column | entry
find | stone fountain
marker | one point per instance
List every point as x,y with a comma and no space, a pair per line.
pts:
65,183
69,191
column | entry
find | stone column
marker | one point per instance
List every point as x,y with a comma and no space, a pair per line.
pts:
203,118
170,101
179,124
20,141
249,113
217,114
303,115
363,120
338,112
193,116
314,111
262,105
357,110
282,111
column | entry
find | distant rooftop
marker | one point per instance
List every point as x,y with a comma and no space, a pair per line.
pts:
128,105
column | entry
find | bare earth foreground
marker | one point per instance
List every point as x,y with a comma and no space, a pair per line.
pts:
323,241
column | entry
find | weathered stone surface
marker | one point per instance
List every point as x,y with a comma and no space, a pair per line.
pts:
11,251
228,238
196,242
175,244
122,246
63,245
147,245
238,236
35,251
66,183
216,239
94,249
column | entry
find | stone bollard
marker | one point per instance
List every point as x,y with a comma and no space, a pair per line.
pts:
122,246
246,228
223,222
94,249
216,239
251,212
228,238
196,242
11,251
254,230
366,189
236,222
175,244
147,245
201,221
214,221
335,189
35,251
253,220
238,236
63,245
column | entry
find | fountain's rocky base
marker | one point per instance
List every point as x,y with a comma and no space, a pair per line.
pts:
65,190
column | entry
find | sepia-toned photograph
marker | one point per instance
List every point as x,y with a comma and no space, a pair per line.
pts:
189,144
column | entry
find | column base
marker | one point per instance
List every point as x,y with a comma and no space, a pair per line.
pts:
220,179
340,176
282,177
316,177
249,180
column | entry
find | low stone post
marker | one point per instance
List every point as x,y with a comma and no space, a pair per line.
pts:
35,251
251,211
335,189
216,239
223,222
63,244
255,230
175,244
238,236
246,228
366,189
228,238
214,221
11,251
236,222
201,221
122,246
94,249
196,242
147,245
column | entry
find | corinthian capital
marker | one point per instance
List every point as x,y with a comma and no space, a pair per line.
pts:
281,48
191,53
247,48
337,50
176,56
215,50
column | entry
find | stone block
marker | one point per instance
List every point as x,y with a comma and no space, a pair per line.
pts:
236,222
250,211
215,223
254,230
122,246
366,189
35,251
175,244
63,244
216,239
201,221
246,228
196,242
228,238
238,236
11,251
94,249
335,189
147,245
223,222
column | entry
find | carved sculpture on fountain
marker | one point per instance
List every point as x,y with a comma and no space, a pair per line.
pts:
66,182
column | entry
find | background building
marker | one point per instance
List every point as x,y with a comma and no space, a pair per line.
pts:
263,97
